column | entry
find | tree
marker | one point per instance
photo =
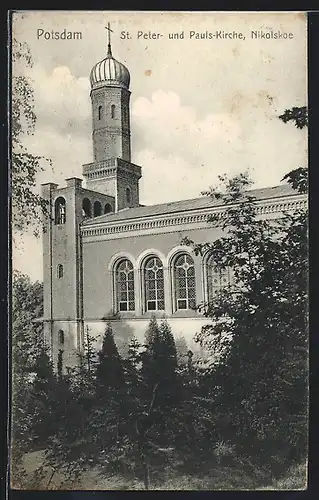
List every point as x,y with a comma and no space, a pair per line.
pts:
297,178
298,115
260,326
109,371
27,205
33,382
27,308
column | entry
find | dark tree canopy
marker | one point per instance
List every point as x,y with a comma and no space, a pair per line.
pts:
298,115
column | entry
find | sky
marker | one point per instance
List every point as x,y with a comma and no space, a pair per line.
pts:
200,107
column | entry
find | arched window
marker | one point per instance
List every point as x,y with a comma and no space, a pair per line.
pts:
97,208
217,279
113,111
60,211
60,271
124,278
100,111
128,195
184,282
86,208
154,285
107,208
61,337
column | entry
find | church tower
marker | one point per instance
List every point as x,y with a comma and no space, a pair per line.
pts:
112,172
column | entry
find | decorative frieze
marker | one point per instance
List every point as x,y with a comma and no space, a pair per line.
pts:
164,221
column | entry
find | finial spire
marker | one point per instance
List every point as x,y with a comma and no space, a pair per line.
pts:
109,50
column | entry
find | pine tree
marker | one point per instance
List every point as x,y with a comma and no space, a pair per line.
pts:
134,352
109,371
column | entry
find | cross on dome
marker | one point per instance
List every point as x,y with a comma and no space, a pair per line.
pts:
109,31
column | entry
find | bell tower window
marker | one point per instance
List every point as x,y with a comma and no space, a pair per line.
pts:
107,208
61,337
100,112
60,271
113,111
86,208
97,208
128,195
60,211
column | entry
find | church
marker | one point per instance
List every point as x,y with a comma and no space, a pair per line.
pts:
107,258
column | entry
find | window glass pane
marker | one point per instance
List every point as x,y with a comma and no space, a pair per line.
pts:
216,279
184,281
124,277
154,284
191,282
181,304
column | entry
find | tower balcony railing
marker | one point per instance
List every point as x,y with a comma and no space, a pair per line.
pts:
99,166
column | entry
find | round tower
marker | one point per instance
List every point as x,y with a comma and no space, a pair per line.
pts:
110,98
112,172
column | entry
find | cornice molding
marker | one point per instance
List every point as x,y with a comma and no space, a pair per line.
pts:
166,222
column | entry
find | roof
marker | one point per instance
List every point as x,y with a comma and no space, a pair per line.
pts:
186,205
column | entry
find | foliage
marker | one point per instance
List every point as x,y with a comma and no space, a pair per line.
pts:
297,178
298,115
27,307
109,372
33,380
259,327
27,205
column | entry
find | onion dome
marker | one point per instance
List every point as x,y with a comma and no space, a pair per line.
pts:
109,72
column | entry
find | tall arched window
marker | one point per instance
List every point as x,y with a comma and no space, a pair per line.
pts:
100,112
97,208
60,211
124,277
113,111
128,195
107,208
154,285
184,282
61,337
86,208
217,279
60,271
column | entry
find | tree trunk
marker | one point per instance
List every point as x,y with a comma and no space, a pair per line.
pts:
51,477
146,472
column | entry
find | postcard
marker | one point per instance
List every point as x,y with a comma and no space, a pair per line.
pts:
159,262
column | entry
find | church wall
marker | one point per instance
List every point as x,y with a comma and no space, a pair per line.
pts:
183,330
125,329
63,253
97,273
71,341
